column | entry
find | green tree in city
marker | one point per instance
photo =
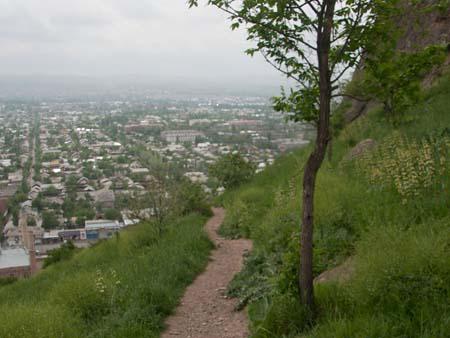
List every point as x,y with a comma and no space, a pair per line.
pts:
71,184
112,214
84,214
49,220
38,203
52,191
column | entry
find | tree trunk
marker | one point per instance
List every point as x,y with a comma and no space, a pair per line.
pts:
317,156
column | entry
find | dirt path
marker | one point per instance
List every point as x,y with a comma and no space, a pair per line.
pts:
205,311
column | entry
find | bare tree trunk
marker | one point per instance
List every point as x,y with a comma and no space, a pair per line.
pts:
317,156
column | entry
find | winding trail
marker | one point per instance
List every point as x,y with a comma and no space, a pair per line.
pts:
205,311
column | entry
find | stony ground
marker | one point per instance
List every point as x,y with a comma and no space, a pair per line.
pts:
205,311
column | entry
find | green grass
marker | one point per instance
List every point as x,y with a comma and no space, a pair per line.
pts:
401,283
123,287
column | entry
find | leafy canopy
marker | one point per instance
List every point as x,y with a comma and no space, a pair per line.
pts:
286,33
232,170
394,78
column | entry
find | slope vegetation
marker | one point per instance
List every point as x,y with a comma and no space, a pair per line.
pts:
388,210
123,287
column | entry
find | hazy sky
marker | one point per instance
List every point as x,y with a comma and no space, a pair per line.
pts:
148,38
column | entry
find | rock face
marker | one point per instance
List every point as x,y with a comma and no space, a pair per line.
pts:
361,148
420,30
423,28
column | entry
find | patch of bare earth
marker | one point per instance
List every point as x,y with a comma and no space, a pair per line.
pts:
205,311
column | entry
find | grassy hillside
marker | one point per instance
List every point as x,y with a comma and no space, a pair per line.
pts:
389,210
123,287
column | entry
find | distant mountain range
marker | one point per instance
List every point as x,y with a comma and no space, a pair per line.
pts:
80,87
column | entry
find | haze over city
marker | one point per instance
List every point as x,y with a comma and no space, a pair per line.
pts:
104,42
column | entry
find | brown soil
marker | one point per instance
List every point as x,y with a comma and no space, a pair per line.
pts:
205,311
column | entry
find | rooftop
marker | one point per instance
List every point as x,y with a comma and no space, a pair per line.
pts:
13,258
101,224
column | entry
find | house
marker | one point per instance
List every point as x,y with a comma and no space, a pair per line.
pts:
139,171
52,151
105,198
12,234
194,122
14,263
130,221
5,163
56,171
6,193
72,234
35,190
106,183
89,188
290,144
174,136
37,185
26,205
51,237
55,165
196,177
101,229
15,177
239,124
82,182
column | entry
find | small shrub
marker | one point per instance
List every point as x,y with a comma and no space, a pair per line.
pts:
232,170
7,280
237,221
253,282
284,316
85,296
408,166
63,253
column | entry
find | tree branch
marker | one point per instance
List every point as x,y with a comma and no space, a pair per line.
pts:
350,96
349,34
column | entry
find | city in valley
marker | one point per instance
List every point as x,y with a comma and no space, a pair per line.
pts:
71,169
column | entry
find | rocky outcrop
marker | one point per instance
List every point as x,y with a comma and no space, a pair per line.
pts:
339,274
424,28
421,28
360,149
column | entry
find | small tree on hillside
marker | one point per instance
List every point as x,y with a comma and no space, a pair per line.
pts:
315,43
232,170
190,197
394,78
